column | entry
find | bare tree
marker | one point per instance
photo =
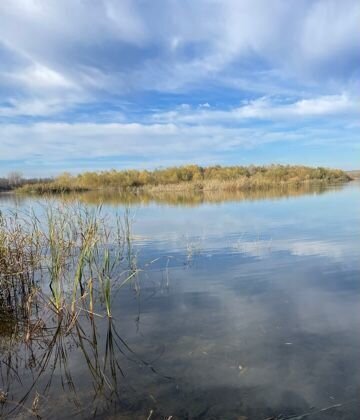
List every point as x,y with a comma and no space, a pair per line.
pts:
14,178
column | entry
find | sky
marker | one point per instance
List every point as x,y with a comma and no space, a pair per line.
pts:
102,84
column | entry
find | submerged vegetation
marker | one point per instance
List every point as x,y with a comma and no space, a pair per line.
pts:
190,177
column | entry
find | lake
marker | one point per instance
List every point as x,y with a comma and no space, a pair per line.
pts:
246,307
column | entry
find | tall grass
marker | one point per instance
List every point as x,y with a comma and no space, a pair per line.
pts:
105,281
58,274
190,177
74,253
20,250
58,247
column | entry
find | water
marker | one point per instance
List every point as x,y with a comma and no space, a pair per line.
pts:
248,310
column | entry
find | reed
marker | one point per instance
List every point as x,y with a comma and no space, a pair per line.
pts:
189,177
58,274
104,278
74,253
89,236
20,246
57,256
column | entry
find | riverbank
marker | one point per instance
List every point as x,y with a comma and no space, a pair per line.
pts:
354,174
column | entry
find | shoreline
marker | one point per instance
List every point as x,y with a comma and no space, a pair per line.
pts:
189,178
210,186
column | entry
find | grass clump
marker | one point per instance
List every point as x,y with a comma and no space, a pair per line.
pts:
68,259
52,187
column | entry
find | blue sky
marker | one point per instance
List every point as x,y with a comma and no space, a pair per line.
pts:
100,84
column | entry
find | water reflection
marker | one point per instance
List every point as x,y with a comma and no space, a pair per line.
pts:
248,310
85,361
185,198
197,198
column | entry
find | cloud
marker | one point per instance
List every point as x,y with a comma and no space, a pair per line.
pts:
127,66
134,46
39,76
267,109
58,140
124,144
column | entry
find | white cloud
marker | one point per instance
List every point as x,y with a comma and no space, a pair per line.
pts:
38,76
329,28
130,45
165,143
34,107
267,109
55,141
75,60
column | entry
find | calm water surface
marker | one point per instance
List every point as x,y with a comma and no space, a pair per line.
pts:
247,308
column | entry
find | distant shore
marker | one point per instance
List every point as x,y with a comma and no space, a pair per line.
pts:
189,178
354,174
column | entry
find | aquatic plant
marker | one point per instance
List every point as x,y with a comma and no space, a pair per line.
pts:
71,251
